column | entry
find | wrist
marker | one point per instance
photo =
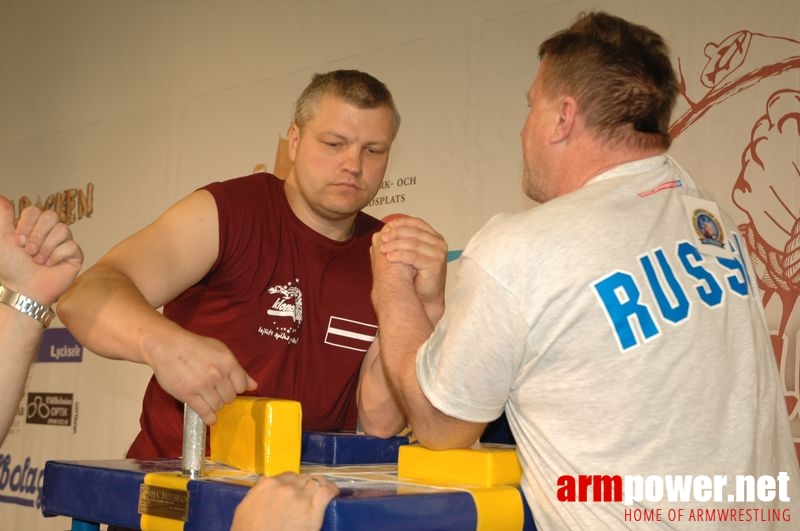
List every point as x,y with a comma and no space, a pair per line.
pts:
26,305
434,310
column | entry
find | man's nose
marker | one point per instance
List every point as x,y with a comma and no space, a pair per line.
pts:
352,161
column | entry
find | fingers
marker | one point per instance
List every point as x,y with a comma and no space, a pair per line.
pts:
323,491
227,390
210,401
66,252
223,392
311,483
409,228
381,264
40,232
299,480
241,381
200,371
413,242
203,409
310,486
57,235
285,501
33,227
375,249
318,488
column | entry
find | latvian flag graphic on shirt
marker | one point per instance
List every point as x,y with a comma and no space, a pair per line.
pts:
347,333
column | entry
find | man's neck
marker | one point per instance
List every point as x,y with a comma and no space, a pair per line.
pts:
587,162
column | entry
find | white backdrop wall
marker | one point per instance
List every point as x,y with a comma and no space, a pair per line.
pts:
112,110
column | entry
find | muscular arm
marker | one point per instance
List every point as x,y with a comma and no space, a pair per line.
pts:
422,252
111,308
378,411
20,338
39,259
405,324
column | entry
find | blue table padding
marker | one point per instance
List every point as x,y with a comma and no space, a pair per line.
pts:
104,491
362,510
336,449
364,468
528,524
213,503
107,492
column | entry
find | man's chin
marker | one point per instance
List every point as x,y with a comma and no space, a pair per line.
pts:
344,209
349,202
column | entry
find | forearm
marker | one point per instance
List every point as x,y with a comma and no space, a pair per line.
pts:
378,411
110,316
405,326
20,338
106,312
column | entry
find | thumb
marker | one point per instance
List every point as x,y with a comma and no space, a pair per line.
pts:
6,217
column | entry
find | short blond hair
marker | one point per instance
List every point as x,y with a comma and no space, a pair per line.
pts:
353,86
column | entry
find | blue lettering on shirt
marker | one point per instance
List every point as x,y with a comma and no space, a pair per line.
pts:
739,282
707,287
673,313
620,296
633,321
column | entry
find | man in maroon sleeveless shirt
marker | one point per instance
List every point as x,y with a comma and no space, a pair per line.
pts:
265,283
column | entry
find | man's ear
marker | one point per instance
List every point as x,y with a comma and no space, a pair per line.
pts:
566,115
293,140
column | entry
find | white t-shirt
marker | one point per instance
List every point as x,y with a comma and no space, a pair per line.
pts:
617,344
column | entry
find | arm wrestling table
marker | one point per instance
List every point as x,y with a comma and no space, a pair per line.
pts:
385,484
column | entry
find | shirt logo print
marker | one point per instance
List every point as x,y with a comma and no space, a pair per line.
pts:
289,304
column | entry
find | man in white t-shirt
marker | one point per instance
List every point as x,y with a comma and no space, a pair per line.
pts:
617,324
